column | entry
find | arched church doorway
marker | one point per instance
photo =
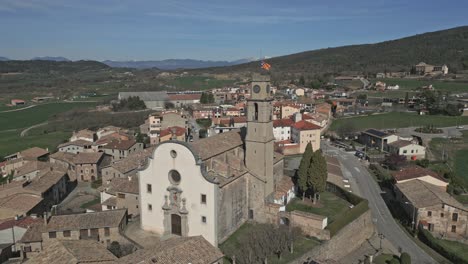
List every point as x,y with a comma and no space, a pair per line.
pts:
176,225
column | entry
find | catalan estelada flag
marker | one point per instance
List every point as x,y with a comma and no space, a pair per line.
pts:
265,66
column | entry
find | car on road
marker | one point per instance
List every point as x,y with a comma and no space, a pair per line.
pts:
460,127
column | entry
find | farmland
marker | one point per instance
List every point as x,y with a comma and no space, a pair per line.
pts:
413,84
397,120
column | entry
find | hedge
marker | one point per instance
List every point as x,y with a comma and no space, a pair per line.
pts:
347,218
348,196
432,242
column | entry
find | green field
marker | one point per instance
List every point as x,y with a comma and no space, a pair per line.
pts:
198,83
397,120
301,245
461,163
36,115
412,84
332,206
11,142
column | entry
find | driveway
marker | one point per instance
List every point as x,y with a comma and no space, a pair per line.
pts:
363,184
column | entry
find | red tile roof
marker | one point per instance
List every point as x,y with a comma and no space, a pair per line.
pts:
414,172
23,222
304,125
237,120
179,131
283,122
120,144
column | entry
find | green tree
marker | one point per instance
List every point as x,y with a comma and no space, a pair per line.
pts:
211,98
302,80
302,172
405,258
203,98
406,99
318,174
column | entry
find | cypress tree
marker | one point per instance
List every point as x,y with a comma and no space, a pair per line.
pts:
318,174
303,174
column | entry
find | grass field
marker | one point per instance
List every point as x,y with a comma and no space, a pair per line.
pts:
198,83
36,115
11,142
411,84
461,163
385,258
332,206
398,120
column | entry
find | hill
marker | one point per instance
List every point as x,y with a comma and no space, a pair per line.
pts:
441,47
4,59
51,58
46,66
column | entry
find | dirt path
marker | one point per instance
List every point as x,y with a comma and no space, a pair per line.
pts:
20,109
25,131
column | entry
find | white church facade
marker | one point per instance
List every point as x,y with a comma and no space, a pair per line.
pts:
212,186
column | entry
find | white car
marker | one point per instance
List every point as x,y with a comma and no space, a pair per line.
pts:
460,127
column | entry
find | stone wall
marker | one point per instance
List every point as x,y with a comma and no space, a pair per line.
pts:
232,207
344,242
310,224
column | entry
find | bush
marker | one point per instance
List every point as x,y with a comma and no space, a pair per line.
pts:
432,242
405,258
423,163
347,218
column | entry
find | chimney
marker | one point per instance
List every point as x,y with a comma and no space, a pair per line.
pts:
129,178
45,217
297,117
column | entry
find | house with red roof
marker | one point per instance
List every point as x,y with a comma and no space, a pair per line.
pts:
304,132
419,173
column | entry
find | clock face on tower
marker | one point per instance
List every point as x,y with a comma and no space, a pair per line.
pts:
256,89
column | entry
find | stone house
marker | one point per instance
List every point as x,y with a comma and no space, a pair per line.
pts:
195,250
411,173
127,167
433,209
120,193
103,227
171,133
75,147
12,231
282,129
33,153
304,132
88,165
120,149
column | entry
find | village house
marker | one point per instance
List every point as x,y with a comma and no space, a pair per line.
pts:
232,111
419,173
282,129
29,170
16,102
180,100
33,153
120,149
409,149
109,130
289,110
303,132
71,252
21,198
126,167
13,230
103,227
171,133
77,146
432,208
88,165
194,250
377,139
120,193
424,68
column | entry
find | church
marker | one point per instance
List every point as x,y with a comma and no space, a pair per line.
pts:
212,186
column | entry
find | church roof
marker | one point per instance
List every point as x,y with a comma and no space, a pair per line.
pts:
215,145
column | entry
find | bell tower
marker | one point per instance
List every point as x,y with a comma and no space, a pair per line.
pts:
259,139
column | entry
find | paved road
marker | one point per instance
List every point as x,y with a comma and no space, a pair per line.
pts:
363,183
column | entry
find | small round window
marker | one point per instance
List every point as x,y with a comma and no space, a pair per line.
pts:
174,177
173,153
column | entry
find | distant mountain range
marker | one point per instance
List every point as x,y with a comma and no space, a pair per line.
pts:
170,64
173,64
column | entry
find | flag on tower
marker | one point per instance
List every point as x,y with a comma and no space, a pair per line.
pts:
265,66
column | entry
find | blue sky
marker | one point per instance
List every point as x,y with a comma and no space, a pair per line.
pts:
210,29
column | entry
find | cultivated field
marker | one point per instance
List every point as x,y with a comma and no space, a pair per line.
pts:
412,84
397,120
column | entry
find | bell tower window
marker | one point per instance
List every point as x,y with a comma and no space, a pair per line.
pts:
256,112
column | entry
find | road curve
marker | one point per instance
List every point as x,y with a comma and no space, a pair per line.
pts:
383,219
